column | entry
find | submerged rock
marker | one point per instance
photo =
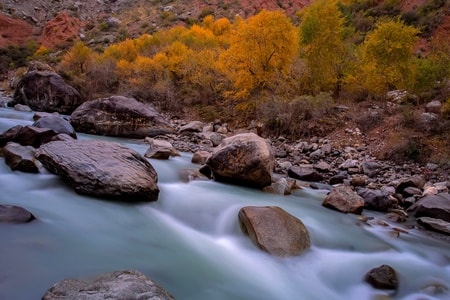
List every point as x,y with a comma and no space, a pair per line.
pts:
119,116
274,230
57,123
100,168
383,277
117,286
345,200
244,159
14,214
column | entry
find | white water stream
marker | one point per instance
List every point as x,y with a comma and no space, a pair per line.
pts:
189,241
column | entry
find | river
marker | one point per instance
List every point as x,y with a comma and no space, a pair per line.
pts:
190,243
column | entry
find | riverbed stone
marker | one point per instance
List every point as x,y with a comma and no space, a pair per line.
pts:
102,169
435,224
244,159
344,199
57,123
14,214
200,157
20,158
34,136
434,206
46,91
383,277
375,199
128,284
416,181
305,172
119,116
274,230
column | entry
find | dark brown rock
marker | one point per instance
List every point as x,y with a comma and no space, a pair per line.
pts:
200,157
14,214
383,277
34,136
46,91
244,159
9,135
274,230
20,158
375,199
100,168
119,116
435,224
345,200
416,181
115,285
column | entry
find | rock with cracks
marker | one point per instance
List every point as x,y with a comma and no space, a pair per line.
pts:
244,159
20,158
102,169
117,285
119,116
46,91
274,230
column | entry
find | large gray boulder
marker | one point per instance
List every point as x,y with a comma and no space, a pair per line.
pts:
434,206
57,123
345,200
46,91
102,169
20,158
244,159
115,286
274,230
119,116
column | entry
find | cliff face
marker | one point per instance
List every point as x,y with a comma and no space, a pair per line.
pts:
13,31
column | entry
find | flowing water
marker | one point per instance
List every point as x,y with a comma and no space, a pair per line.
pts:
189,241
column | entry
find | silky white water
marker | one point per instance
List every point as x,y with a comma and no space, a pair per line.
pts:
189,241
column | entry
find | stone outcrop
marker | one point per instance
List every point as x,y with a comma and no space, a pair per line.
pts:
102,169
119,116
383,277
115,285
61,29
244,159
15,31
274,230
20,158
345,200
57,123
46,91
14,214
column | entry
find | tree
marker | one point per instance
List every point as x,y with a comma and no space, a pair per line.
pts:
387,57
322,45
261,52
75,61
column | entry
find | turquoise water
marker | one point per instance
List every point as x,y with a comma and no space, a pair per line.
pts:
189,241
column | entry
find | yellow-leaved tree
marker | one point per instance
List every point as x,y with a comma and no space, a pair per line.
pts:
262,51
387,57
322,45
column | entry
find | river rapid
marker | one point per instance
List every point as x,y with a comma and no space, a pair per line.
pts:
190,243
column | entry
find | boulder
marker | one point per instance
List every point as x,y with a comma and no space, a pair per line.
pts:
383,277
194,126
188,175
27,136
375,199
21,107
274,230
57,123
371,168
200,157
345,200
244,159
282,186
434,107
435,224
416,181
14,214
116,285
305,172
434,206
46,91
102,169
20,158
119,116
160,149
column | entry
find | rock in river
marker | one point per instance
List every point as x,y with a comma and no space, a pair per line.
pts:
244,159
119,116
274,230
116,285
101,168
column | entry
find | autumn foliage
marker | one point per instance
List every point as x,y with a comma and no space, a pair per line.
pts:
252,67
